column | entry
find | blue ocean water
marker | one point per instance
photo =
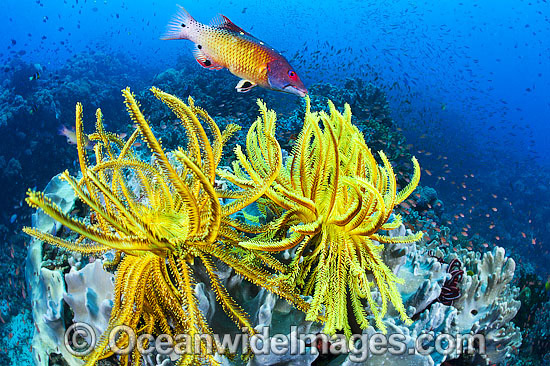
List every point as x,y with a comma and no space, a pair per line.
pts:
467,84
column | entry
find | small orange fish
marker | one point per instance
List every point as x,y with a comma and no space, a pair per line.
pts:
225,45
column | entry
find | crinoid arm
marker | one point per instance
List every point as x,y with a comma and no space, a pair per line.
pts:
169,217
336,200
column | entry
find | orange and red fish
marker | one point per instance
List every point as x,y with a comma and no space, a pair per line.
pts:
225,45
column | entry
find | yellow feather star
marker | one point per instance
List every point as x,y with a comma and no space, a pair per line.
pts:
333,200
330,201
158,229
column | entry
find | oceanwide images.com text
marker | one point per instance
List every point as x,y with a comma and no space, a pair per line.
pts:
81,338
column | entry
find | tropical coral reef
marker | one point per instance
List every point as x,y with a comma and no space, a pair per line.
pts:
454,208
188,239
424,276
31,150
174,216
157,228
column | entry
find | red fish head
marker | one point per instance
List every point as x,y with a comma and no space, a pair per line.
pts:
282,77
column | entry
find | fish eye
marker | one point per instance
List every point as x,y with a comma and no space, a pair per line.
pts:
292,74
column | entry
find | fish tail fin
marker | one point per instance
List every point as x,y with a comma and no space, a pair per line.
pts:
62,130
180,25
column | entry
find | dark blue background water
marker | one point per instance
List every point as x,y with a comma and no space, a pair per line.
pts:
468,82
487,62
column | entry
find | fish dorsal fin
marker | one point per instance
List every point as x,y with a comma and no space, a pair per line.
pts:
223,22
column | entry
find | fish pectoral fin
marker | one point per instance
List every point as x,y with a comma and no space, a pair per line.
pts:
204,60
244,86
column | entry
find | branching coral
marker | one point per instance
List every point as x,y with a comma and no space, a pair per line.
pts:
333,201
158,229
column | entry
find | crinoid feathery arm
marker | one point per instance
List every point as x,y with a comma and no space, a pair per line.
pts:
336,199
170,216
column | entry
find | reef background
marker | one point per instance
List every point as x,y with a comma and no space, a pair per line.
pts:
463,87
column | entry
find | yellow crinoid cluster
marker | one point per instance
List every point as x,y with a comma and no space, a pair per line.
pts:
330,204
158,224
333,201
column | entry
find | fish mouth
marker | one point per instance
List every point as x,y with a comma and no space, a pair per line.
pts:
292,89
